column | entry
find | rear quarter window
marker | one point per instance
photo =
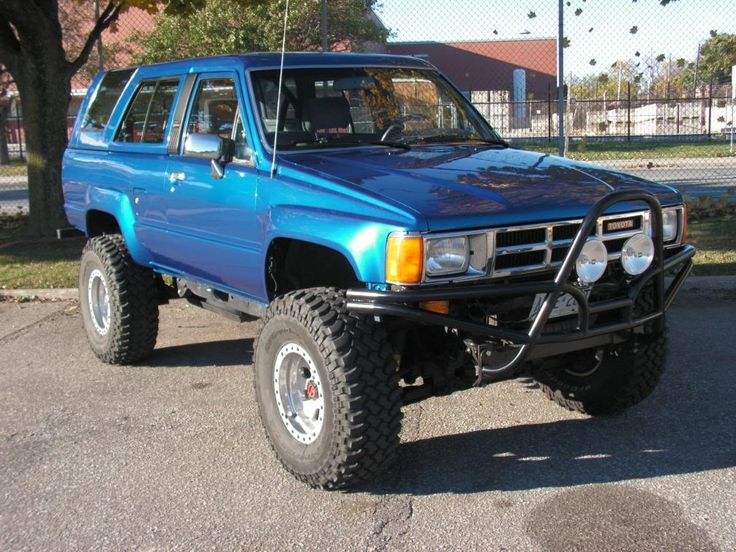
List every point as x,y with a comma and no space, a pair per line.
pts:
110,89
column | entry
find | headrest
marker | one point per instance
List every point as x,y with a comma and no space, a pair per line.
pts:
327,112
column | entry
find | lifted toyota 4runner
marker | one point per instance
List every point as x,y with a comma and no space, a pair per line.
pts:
391,243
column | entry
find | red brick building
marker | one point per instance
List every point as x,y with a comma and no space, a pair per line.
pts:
489,65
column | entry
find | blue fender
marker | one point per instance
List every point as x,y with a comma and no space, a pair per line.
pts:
119,205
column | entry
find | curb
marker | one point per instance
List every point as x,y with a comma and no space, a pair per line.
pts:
694,284
51,294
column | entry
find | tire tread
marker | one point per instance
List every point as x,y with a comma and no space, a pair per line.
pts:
364,382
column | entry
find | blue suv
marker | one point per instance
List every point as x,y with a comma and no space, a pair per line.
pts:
392,244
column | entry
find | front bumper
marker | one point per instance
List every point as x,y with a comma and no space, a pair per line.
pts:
534,341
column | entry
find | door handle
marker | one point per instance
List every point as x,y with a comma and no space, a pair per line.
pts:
177,176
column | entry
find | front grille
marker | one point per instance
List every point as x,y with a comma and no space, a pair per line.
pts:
544,246
565,232
512,260
510,238
615,246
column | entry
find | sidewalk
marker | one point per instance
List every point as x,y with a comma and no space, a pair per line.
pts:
670,162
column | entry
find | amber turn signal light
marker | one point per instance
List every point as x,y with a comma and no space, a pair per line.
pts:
404,259
438,307
684,225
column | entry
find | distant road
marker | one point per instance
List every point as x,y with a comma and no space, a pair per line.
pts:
695,177
692,176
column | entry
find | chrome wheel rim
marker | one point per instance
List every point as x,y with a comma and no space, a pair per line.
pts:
298,390
98,299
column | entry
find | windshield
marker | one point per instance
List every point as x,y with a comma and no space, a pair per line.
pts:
332,107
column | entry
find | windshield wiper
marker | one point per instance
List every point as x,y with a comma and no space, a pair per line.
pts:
439,138
324,142
329,142
493,142
400,145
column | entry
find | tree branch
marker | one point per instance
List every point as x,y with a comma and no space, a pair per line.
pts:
26,16
108,16
9,46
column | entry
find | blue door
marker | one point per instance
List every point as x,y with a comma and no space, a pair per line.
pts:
212,230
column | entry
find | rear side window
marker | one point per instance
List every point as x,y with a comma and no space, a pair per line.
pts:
107,95
148,114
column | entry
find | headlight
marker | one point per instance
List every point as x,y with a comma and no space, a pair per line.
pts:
447,255
669,224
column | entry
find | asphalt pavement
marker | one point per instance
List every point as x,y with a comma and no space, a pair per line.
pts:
170,455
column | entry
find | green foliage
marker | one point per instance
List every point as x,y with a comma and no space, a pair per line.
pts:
718,55
228,26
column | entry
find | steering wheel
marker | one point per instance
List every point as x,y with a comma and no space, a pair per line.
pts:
398,123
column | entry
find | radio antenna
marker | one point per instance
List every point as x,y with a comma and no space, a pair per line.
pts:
278,95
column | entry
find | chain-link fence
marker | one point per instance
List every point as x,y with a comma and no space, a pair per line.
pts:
646,86
13,180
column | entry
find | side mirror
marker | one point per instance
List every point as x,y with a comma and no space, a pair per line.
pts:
210,146
203,146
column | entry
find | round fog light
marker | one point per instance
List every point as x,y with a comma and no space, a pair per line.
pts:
637,254
592,261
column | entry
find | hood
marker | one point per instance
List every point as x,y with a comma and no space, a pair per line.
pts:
465,186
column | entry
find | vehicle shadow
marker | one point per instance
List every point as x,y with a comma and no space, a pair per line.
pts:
225,352
686,426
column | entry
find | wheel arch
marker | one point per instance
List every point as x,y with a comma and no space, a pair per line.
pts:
293,264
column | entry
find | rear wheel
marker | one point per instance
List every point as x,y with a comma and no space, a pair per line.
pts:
327,389
119,301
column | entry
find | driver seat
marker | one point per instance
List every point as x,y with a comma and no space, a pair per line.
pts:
326,113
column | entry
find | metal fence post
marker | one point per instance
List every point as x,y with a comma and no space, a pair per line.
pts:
628,111
323,25
549,113
710,107
560,81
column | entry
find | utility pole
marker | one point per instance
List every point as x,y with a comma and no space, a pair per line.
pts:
697,63
323,25
733,101
568,110
560,80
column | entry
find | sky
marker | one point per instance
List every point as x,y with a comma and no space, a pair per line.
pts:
672,30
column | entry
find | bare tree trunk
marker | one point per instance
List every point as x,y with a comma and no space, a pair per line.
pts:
32,51
44,88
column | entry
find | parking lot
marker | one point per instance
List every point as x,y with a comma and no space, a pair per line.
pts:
170,454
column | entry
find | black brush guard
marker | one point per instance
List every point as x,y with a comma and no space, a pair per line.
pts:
534,342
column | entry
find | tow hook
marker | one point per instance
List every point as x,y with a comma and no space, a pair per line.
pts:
478,352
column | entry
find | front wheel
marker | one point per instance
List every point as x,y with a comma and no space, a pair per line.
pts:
327,389
607,380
